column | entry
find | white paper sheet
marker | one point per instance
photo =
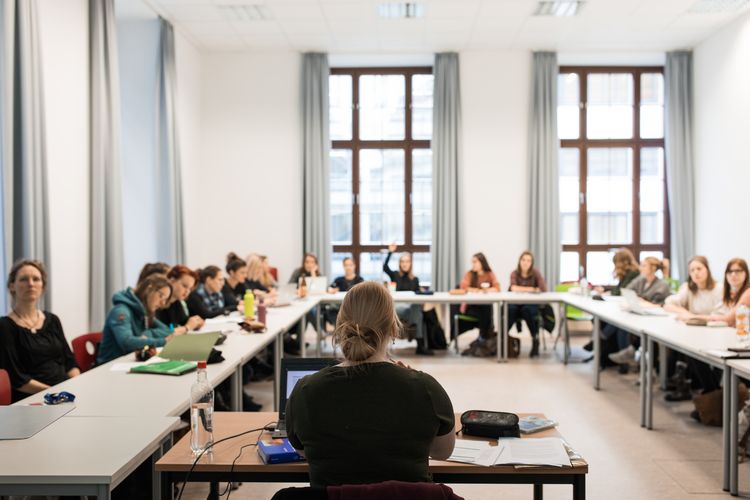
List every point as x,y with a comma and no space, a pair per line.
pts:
475,452
541,451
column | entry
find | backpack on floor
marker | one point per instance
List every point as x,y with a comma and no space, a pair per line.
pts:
434,332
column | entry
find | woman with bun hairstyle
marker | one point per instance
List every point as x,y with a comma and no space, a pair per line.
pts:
235,284
369,419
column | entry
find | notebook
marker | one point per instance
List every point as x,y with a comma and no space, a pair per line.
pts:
292,370
166,368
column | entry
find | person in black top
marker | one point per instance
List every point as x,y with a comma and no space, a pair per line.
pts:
182,279
342,284
235,284
33,348
369,419
206,300
309,268
407,282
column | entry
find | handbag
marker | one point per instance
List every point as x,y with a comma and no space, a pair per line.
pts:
491,424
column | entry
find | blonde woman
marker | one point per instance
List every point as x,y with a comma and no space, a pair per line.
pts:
342,417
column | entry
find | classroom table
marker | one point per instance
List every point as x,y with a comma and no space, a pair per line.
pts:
83,455
736,368
175,464
498,301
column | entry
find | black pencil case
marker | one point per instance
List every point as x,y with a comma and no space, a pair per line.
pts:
491,424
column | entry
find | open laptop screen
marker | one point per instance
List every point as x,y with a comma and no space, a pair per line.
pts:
292,370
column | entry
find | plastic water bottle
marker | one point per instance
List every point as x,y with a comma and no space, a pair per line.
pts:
201,412
742,322
584,283
249,302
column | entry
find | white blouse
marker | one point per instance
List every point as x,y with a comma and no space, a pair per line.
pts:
701,302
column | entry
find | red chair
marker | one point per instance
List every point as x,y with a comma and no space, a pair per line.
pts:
5,389
86,357
274,272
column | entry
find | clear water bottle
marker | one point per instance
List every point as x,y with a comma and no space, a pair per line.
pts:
584,283
201,412
742,322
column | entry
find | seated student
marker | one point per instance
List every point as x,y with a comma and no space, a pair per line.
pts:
132,324
309,268
207,300
342,416
652,291
480,279
33,348
699,296
176,316
342,284
259,279
235,285
736,283
526,278
407,282
152,268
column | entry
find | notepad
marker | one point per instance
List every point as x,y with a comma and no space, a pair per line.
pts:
475,452
541,451
166,368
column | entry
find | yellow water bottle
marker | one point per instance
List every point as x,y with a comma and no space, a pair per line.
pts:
249,301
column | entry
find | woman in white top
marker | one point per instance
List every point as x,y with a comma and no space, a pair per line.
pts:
699,296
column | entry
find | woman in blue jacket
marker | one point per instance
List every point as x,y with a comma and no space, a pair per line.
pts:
131,324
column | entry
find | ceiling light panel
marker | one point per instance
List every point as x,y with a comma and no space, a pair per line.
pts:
401,10
244,12
559,8
717,6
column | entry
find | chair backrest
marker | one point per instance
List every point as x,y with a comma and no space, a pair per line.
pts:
570,311
5,390
274,272
85,357
376,491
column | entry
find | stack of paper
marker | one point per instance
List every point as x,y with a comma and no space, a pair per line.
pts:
512,451
542,451
475,452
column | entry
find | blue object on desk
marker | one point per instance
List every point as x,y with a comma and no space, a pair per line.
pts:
278,451
55,398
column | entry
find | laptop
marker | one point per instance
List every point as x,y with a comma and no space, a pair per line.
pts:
292,370
190,347
633,304
317,285
287,293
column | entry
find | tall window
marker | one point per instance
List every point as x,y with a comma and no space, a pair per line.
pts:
612,175
381,166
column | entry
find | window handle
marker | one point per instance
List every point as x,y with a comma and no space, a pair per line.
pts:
581,198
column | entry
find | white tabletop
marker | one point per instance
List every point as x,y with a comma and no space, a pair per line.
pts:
86,450
467,298
741,366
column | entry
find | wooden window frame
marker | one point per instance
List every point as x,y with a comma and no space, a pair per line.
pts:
636,143
355,145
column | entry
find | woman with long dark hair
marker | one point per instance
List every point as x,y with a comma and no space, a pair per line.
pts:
480,279
526,278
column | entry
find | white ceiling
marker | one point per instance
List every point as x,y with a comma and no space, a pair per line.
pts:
353,26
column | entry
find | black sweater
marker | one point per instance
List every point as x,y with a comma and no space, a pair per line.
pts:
403,282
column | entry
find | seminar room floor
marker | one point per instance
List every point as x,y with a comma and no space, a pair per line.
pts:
678,459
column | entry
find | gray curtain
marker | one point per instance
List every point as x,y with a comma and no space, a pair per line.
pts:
678,142
106,259
446,135
315,162
171,229
26,181
544,209
6,126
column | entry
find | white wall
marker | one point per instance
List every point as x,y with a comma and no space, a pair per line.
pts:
63,25
493,212
722,122
245,193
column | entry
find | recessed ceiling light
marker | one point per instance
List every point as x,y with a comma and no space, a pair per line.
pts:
560,8
401,10
716,6
244,12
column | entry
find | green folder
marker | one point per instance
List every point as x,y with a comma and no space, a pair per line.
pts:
166,368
